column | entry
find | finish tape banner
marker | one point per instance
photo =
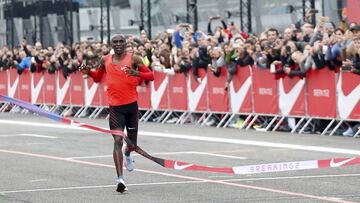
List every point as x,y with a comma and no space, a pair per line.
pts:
179,165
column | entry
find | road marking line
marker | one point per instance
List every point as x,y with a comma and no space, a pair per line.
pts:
38,180
96,186
163,153
210,139
170,183
29,135
182,177
48,125
35,135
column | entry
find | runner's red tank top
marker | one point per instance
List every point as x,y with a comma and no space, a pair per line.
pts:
121,88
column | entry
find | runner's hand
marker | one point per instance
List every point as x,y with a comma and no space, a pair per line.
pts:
85,69
132,72
129,71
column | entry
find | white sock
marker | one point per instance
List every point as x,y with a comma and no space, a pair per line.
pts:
120,179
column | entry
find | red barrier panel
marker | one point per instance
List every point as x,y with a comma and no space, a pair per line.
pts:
217,95
37,88
13,81
92,92
197,92
240,91
24,86
159,91
266,99
50,88
62,89
321,101
3,83
77,93
178,98
144,96
348,92
292,96
103,91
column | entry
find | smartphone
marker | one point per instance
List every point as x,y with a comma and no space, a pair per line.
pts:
346,68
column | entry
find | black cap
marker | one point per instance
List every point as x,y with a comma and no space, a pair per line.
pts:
355,28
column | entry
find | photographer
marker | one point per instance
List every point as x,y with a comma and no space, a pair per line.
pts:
221,33
217,60
352,63
200,58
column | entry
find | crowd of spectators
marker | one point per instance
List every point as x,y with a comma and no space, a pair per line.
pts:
289,52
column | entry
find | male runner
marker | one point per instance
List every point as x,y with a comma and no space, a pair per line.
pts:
123,71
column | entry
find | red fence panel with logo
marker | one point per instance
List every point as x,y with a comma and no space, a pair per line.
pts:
24,86
50,88
178,97
103,91
159,91
3,82
266,100
37,88
177,92
348,92
197,92
92,92
13,83
77,89
217,95
292,96
62,89
144,96
240,91
321,100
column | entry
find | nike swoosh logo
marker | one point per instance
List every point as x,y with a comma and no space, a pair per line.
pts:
181,167
131,128
340,163
346,104
237,98
195,96
156,95
90,92
12,88
35,89
61,92
287,100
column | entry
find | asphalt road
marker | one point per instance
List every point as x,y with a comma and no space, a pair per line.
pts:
43,161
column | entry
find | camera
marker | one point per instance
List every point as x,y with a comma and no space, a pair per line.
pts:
288,49
346,68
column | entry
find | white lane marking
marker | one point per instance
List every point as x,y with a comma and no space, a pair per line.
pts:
163,153
242,186
209,139
48,125
173,182
38,180
292,177
23,144
251,143
35,135
220,155
29,135
97,186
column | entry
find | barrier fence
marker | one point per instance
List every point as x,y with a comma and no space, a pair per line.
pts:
253,92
